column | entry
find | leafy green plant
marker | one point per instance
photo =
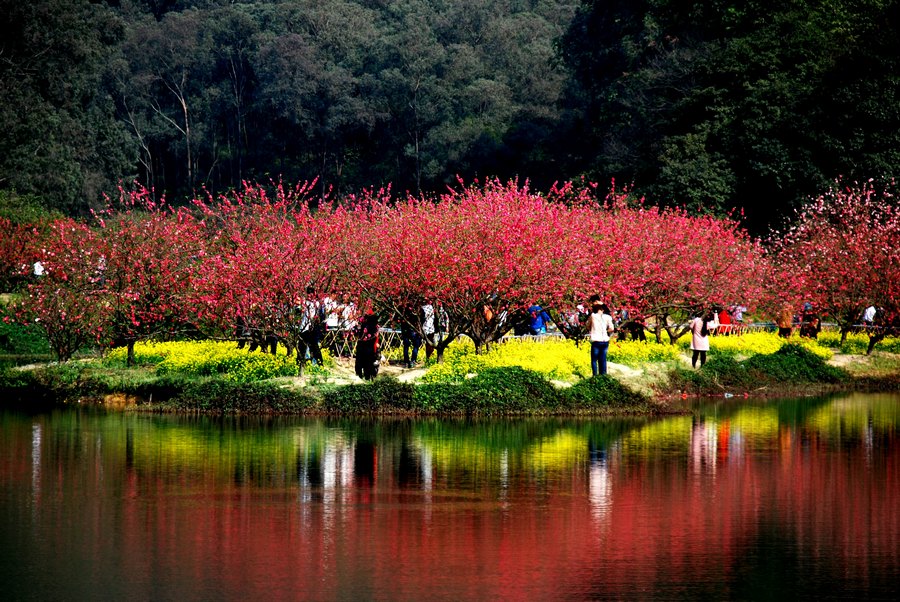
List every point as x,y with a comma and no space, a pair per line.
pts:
18,339
242,398
603,392
795,363
382,394
791,364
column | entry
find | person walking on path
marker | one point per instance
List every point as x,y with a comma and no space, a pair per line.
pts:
599,326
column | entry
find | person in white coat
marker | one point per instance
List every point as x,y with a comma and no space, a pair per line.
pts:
599,326
702,324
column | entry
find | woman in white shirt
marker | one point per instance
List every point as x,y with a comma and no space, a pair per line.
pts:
600,326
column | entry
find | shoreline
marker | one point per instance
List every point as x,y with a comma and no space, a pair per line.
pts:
397,391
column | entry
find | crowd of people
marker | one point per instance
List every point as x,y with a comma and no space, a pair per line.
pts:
337,322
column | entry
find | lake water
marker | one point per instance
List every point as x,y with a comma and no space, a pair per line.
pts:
738,500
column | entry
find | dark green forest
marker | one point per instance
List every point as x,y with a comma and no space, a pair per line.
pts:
713,104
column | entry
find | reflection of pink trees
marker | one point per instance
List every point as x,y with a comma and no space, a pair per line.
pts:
639,520
843,255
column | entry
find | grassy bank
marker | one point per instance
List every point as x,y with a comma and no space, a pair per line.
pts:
497,391
524,378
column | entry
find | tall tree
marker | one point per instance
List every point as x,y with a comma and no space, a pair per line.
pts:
59,136
757,105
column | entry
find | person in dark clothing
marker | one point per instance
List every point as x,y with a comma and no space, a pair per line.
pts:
367,347
409,333
810,324
635,329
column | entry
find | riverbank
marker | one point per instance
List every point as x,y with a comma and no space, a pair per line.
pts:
652,388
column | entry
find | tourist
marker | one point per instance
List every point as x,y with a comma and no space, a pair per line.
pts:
868,317
737,312
724,322
700,337
599,326
539,319
635,328
785,321
428,329
810,324
409,334
312,324
367,357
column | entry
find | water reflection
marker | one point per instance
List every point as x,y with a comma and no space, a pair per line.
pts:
731,500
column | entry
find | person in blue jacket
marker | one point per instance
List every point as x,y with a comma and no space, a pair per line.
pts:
539,319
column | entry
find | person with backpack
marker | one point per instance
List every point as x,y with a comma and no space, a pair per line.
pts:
700,336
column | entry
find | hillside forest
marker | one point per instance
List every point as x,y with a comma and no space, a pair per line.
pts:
709,105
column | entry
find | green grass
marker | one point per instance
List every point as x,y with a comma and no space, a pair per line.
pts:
792,365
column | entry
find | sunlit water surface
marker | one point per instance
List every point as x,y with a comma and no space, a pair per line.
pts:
737,500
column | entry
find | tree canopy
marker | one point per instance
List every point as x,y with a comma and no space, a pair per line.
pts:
756,105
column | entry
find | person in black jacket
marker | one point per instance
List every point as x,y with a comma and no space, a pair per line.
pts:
367,346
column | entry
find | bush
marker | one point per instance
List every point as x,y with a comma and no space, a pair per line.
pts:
603,392
792,363
385,393
239,398
495,391
795,363
510,390
18,339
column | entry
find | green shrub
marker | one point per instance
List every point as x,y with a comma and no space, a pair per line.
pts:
795,363
19,339
239,398
13,378
792,364
603,392
444,398
385,393
510,390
